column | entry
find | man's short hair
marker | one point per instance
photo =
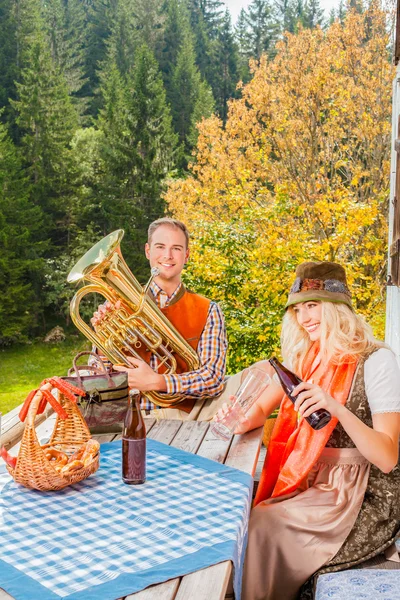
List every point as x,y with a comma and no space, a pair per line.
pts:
173,223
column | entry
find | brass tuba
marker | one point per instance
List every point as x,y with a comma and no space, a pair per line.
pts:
138,321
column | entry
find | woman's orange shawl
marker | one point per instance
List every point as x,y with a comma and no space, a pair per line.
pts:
295,448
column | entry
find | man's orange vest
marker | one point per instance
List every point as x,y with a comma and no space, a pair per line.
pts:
188,314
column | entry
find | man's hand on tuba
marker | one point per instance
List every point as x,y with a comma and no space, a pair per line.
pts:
102,310
142,377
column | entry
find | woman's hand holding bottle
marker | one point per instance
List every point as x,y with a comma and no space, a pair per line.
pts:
311,397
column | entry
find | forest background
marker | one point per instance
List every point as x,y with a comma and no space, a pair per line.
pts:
271,140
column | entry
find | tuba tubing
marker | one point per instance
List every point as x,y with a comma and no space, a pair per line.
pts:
138,320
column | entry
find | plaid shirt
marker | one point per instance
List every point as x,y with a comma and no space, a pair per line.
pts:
208,380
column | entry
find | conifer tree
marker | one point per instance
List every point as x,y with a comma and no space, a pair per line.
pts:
287,14
8,57
298,14
202,42
99,17
262,28
203,108
21,263
65,26
226,67
341,13
332,17
149,19
357,5
46,120
313,14
123,39
177,29
242,35
137,151
213,14
186,89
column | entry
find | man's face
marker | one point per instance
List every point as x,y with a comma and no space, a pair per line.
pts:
168,252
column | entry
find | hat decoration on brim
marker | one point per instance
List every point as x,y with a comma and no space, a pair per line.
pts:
323,281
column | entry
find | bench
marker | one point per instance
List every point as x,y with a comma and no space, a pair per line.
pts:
375,579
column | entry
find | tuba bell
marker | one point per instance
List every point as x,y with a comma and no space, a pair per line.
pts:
137,323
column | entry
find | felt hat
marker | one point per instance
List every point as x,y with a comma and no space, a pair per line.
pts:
323,281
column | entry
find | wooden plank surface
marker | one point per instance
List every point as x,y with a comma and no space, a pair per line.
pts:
206,584
162,591
164,431
12,429
43,432
244,451
10,419
190,436
214,448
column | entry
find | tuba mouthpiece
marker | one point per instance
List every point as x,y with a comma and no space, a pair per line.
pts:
155,271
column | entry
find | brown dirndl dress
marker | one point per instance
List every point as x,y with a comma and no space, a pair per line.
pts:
345,513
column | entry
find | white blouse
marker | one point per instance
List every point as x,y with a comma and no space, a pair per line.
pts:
382,382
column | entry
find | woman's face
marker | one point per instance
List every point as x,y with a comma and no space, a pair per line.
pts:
308,316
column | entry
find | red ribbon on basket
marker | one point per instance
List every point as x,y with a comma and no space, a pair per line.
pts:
66,388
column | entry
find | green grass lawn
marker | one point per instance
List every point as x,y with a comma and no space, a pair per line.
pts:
22,368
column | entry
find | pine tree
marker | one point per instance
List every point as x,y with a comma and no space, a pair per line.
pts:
341,13
213,15
137,151
8,58
242,34
262,28
226,67
313,14
186,88
99,17
21,263
287,12
155,140
177,29
357,5
149,19
203,108
123,39
172,38
332,17
65,27
202,42
46,120
298,14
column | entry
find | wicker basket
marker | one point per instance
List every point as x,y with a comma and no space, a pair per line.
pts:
33,470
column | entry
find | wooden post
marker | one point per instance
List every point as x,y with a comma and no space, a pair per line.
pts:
392,334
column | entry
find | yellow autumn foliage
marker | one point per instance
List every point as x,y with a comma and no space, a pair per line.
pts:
300,172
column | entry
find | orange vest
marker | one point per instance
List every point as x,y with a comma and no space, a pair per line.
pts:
188,314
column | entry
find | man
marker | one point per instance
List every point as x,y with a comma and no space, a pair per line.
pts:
167,249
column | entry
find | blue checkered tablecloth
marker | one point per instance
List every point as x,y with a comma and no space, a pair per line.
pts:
101,539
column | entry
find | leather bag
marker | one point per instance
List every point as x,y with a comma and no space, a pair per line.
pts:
107,393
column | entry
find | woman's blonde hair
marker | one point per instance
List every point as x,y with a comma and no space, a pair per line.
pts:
344,334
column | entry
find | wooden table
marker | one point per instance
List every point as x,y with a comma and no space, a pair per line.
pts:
213,583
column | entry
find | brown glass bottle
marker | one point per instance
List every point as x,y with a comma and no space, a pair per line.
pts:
134,444
289,381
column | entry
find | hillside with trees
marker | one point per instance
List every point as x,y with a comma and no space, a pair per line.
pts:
101,104
299,171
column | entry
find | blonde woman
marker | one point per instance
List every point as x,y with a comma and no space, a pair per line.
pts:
327,499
